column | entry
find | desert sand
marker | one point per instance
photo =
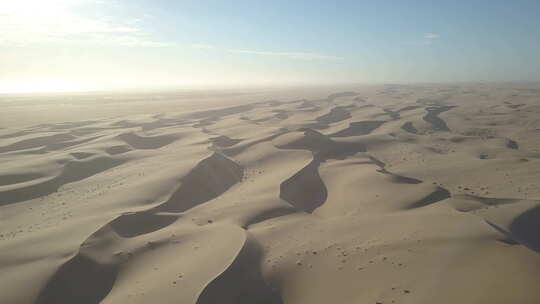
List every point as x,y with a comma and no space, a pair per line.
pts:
364,194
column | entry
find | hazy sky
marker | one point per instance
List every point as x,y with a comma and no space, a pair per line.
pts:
99,44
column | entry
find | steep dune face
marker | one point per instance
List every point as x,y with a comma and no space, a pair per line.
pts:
358,128
380,194
146,142
207,180
241,282
433,118
524,228
305,190
68,286
71,171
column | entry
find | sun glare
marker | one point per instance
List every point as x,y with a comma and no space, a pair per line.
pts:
33,7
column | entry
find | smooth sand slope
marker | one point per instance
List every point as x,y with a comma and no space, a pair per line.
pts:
380,194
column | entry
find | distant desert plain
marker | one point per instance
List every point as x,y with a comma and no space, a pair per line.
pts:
380,194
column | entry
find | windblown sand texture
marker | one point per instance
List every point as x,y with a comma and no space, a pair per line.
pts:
377,194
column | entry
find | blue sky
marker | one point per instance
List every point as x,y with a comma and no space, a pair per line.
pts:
98,44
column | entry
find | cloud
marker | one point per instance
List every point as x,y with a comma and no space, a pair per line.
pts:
291,55
27,22
429,39
203,46
432,36
423,42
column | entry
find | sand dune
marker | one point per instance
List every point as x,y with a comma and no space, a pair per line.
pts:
374,194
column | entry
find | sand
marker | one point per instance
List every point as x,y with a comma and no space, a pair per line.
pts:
361,194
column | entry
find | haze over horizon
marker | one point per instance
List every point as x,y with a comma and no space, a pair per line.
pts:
75,45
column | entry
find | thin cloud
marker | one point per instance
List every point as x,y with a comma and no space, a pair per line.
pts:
203,46
424,42
432,36
291,55
429,38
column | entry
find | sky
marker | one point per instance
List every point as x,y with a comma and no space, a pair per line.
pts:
77,45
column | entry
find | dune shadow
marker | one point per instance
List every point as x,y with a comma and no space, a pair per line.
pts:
336,114
210,178
242,282
10,179
146,142
393,114
73,171
224,141
323,147
359,128
409,127
37,142
334,96
269,214
511,144
220,113
114,150
438,195
245,144
139,223
80,280
433,118
400,179
305,190
526,228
